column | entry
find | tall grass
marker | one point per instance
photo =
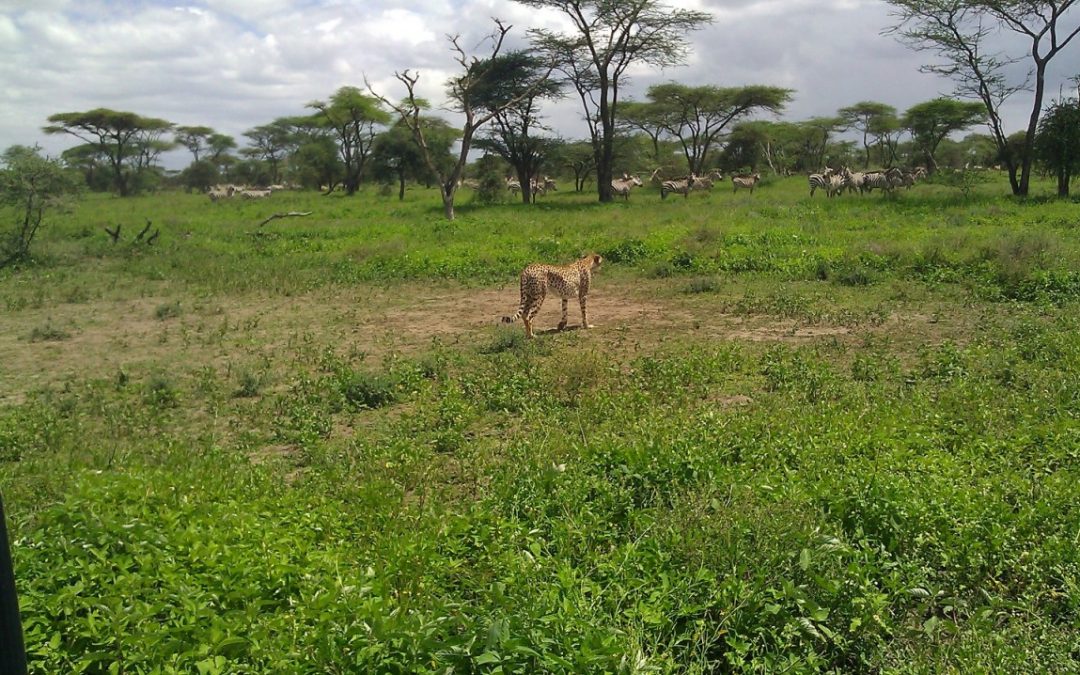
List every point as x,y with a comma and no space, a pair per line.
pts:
899,497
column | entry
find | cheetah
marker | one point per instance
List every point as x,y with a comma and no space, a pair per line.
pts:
566,281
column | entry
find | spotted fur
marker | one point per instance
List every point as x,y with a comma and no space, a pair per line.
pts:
566,281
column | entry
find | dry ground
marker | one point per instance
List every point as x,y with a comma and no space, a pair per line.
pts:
106,336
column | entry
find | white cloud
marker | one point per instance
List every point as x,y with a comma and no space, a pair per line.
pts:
235,64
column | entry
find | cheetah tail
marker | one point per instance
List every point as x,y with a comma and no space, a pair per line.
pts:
515,317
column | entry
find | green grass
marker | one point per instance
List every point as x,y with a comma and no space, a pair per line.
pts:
848,443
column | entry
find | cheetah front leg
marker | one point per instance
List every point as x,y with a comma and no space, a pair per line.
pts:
565,307
584,314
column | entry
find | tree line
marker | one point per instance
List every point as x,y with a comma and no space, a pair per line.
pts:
362,134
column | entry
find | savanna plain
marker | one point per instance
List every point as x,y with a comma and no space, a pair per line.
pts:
806,435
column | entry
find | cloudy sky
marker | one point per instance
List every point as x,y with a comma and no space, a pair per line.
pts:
235,64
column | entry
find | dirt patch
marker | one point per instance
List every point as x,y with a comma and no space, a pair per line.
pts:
228,334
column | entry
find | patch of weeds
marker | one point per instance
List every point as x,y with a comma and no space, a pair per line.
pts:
703,285
793,371
77,296
167,310
846,272
49,333
249,384
368,390
161,392
662,270
506,339
626,251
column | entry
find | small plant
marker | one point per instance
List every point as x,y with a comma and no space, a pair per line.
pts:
168,310
249,385
49,333
505,339
703,285
161,392
368,390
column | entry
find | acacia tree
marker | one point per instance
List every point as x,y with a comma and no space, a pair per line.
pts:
871,119
353,117
396,154
957,31
698,116
607,38
813,140
509,135
1057,145
646,118
120,136
195,139
579,157
931,121
464,92
271,143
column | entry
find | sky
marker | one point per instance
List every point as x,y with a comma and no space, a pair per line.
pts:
235,64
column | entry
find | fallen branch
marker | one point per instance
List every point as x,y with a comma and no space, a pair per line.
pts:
114,234
285,215
142,234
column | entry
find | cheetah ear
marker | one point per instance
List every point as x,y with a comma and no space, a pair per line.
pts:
597,259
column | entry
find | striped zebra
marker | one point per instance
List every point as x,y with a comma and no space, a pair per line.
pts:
513,185
854,180
682,186
622,186
885,181
744,180
824,180
701,182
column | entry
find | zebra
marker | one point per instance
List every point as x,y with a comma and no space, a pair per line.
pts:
823,180
854,180
745,181
701,182
621,186
886,181
682,186
513,185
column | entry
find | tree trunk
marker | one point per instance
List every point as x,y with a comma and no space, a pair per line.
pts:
1063,182
401,185
1033,123
448,200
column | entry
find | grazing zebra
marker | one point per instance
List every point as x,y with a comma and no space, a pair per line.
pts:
745,181
549,184
513,185
621,186
885,181
716,175
221,192
908,178
701,182
681,186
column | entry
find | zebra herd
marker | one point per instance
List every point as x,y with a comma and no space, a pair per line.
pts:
537,186
835,182
228,191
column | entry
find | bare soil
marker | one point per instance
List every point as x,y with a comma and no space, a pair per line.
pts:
107,336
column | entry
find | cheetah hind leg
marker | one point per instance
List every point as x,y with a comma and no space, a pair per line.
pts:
530,313
562,324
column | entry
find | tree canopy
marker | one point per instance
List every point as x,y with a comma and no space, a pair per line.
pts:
606,40
1057,144
121,137
699,116
931,121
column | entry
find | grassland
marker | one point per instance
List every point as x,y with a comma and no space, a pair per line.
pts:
806,436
